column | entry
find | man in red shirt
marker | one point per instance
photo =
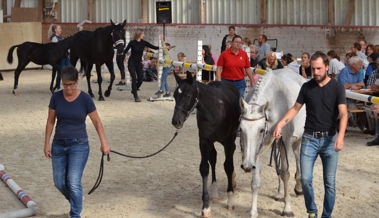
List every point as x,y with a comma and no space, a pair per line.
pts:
232,65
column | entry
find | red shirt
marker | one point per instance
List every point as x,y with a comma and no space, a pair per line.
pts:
233,65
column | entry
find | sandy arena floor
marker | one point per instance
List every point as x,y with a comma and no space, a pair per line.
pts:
167,185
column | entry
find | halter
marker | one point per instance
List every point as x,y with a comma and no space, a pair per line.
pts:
116,43
264,133
192,108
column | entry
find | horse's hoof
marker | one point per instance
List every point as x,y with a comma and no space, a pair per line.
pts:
288,214
206,212
15,93
107,93
101,98
230,207
298,192
92,96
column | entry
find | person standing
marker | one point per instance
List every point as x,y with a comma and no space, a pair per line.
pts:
232,65
55,36
69,149
166,69
207,75
228,37
263,47
135,66
325,101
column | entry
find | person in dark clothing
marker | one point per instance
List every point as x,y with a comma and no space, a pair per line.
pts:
254,53
305,67
120,64
371,66
207,59
228,37
270,61
135,66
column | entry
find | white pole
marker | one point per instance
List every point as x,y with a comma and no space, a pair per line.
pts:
199,59
26,212
160,66
127,40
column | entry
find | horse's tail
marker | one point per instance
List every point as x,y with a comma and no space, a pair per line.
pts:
10,54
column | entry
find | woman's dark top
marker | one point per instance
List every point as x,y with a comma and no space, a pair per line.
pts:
308,71
254,62
137,49
223,45
262,64
205,73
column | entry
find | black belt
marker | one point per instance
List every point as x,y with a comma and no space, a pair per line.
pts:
319,134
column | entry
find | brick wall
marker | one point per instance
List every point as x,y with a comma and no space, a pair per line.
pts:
292,39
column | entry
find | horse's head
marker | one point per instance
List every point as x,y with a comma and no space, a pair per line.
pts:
118,36
254,132
186,98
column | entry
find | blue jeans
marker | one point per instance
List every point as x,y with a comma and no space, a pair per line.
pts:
311,147
164,84
64,62
240,84
69,157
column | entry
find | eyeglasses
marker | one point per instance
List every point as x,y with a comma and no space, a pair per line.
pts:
71,85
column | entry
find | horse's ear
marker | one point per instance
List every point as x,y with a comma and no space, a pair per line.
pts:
124,24
112,22
177,78
243,104
189,77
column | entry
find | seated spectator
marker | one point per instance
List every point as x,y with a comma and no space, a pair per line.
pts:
228,44
270,62
305,67
374,142
351,78
246,45
213,56
335,64
254,52
371,66
181,57
289,61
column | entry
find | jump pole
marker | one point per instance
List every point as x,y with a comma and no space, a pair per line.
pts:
32,207
127,74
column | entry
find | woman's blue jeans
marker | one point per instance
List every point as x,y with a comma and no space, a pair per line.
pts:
311,147
240,84
69,157
164,84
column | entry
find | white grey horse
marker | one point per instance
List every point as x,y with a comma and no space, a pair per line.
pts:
265,104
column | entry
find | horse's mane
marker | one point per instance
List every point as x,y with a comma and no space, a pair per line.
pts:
261,84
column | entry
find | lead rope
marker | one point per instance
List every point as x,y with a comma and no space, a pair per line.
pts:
101,170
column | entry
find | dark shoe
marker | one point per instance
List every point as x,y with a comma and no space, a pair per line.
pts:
160,92
121,83
167,94
373,142
136,99
367,131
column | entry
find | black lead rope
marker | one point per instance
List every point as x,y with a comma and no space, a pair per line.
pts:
101,170
275,153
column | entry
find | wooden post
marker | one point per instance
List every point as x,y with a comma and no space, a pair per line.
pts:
143,11
349,13
331,18
263,12
91,10
17,3
202,15
4,7
40,12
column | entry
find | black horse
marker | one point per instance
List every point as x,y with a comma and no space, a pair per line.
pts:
218,113
41,54
96,47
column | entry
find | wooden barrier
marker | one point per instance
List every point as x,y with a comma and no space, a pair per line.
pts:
17,33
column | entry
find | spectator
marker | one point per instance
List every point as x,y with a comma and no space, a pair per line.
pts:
371,66
335,64
232,65
207,75
289,61
213,56
305,67
371,49
246,45
270,62
166,69
228,37
181,57
356,48
254,52
263,47
228,44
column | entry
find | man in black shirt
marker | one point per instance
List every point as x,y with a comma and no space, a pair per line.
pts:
325,101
